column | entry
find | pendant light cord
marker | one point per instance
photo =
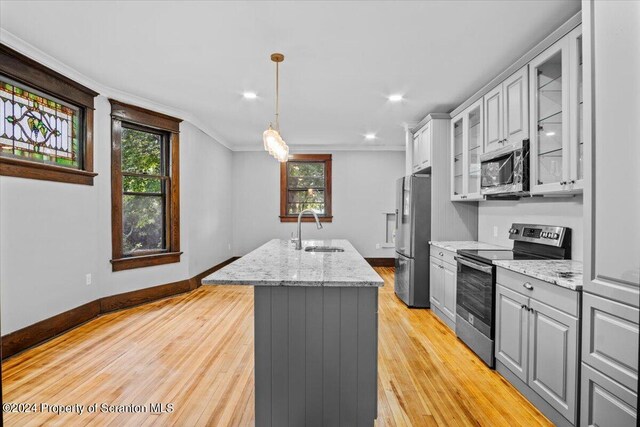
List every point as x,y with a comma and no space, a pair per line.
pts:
277,96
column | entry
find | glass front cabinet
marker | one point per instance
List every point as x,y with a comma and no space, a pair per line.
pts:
467,145
556,117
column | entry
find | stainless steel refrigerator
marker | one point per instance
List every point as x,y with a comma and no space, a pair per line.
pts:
413,232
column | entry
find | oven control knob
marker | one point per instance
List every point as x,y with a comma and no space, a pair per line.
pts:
543,234
556,236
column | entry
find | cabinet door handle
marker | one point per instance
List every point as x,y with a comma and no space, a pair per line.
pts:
525,307
441,254
528,285
563,182
573,181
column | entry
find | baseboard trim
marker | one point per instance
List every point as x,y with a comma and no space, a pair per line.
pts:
32,335
381,262
44,330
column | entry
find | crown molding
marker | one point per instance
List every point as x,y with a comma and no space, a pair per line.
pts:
38,55
313,148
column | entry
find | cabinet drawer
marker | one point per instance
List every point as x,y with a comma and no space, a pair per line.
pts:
444,255
548,293
605,402
610,339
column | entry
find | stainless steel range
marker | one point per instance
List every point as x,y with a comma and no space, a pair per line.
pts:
476,283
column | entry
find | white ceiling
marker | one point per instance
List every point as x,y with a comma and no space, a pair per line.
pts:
343,58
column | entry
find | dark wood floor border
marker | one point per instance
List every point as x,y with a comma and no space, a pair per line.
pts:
381,262
35,334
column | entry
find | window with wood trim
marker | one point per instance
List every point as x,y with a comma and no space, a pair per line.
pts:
144,187
305,183
46,122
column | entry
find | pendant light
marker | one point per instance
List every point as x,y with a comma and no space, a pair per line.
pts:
273,142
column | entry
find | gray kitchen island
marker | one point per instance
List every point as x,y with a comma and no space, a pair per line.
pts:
316,332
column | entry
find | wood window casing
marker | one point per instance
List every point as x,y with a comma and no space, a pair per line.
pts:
139,118
284,188
26,71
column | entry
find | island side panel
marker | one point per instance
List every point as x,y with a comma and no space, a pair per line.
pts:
331,357
367,356
280,356
297,356
262,354
313,373
316,356
348,362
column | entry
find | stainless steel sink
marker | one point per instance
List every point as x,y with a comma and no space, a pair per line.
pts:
323,249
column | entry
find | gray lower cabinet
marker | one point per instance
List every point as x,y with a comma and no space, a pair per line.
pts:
449,285
609,362
442,285
605,402
511,339
436,283
538,344
553,357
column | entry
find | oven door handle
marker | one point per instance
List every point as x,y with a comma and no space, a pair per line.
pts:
483,268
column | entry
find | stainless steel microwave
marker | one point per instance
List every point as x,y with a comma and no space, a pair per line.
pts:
505,171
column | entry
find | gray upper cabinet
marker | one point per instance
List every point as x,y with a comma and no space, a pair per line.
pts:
466,148
422,148
493,119
512,330
506,111
553,357
516,106
556,117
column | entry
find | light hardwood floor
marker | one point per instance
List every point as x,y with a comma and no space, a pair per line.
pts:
196,351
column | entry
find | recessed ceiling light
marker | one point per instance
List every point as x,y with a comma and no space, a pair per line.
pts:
395,98
249,95
370,136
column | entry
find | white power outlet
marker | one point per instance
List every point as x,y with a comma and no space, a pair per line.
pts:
229,246
88,279
378,246
495,231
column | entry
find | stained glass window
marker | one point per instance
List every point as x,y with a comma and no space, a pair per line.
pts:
37,127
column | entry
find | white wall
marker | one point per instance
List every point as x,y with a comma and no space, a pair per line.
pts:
53,234
363,185
548,211
206,205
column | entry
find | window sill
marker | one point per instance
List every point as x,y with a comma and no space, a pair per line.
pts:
129,263
306,219
33,170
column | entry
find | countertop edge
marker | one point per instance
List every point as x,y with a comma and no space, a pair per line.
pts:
320,284
543,277
445,244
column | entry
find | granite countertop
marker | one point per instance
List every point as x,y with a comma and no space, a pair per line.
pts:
277,263
455,246
565,273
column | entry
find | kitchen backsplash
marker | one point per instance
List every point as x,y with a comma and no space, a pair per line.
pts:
499,215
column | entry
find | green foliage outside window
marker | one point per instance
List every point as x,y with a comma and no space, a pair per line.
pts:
144,181
305,187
